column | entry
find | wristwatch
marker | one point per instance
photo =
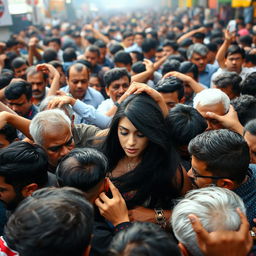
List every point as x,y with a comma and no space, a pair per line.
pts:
117,104
160,218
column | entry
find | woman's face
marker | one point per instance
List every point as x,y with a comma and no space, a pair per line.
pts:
132,141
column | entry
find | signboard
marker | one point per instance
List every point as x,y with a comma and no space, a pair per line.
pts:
5,17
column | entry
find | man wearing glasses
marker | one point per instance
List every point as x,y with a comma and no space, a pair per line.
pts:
221,158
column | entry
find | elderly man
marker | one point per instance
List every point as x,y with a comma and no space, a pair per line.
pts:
221,158
212,100
216,208
197,54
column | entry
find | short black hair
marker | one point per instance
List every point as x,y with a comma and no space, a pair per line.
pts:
82,168
55,40
123,57
139,55
22,164
249,57
171,43
170,65
94,49
245,106
115,48
100,44
225,153
251,127
143,238
115,74
246,40
52,221
228,79
185,123
171,84
9,132
127,34
148,44
235,49
5,78
212,47
49,55
17,88
248,86
69,54
57,64
138,67
18,62
189,67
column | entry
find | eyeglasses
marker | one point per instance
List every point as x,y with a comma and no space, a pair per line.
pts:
196,175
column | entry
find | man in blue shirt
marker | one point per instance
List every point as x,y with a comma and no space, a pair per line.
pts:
197,54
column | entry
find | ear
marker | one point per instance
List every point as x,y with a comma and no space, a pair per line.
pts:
107,91
226,183
183,249
29,189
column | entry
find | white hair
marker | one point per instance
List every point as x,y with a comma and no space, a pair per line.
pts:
66,107
216,209
53,118
210,97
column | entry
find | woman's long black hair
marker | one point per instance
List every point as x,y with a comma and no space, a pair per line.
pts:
155,176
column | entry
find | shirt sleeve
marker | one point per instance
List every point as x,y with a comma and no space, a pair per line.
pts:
91,115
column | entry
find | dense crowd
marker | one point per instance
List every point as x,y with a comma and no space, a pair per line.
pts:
129,134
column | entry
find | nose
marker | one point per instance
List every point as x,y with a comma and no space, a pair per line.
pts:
131,140
121,90
190,173
64,151
79,85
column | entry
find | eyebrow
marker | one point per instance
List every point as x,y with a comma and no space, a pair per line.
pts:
120,126
57,147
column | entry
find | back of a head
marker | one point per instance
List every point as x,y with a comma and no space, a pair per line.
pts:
18,88
5,78
69,54
82,169
248,85
185,123
23,164
115,48
115,74
250,127
225,153
144,239
169,85
170,65
189,67
18,62
227,79
48,119
53,221
123,57
50,55
148,45
138,67
9,132
209,97
216,209
245,106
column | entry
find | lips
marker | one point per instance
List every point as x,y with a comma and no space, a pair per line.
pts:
131,150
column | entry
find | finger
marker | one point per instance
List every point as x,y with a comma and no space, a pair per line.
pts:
244,227
103,197
201,233
115,192
213,116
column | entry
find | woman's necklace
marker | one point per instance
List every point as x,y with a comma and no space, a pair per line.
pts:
132,164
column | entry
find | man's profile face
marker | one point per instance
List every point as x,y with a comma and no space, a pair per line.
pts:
78,82
234,62
8,195
200,61
170,99
57,143
21,105
117,88
199,168
218,109
92,57
38,84
251,141
21,71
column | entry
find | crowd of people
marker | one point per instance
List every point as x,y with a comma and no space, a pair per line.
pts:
130,134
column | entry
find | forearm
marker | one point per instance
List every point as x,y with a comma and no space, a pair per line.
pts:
159,63
220,57
185,36
195,86
55,86
3,107
142,77
100,36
